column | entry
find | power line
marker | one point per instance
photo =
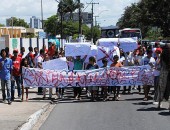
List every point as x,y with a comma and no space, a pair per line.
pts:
87,6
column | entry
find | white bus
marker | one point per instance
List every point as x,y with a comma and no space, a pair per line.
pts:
130,32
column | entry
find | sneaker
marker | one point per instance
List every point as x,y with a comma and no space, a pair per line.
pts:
76,97
56,97
155,103
159,106
88,94
9,102
4,101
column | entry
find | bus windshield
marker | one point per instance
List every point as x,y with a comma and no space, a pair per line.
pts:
130,33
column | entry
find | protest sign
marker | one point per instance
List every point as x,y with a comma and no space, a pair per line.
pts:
128,44
93,52
106,42
107,53
125,76
77,49
56,64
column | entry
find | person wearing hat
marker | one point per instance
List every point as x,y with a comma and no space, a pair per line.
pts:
16,62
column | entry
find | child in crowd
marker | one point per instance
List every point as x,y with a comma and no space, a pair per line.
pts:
24,63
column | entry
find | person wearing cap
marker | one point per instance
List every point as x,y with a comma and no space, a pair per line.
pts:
5,75
16,62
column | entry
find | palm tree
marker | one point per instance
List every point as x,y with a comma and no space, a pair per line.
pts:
68,6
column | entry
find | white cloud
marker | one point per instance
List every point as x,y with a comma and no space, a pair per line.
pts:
108,10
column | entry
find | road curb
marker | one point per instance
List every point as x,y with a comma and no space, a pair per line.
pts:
33,118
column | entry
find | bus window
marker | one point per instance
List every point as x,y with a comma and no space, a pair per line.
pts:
130,32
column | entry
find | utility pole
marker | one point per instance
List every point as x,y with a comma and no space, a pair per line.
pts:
42,20
92,24
95,20
80,20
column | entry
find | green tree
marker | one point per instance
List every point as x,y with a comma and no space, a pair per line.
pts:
68,6
18,22
51,25
147,14
2,25
70,28
96,34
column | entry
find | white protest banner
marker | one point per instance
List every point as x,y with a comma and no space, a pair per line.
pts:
128,44
77,49
56,64
125,76
106,42
107,53
93,52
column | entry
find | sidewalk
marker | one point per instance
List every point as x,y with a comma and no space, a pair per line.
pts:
15,115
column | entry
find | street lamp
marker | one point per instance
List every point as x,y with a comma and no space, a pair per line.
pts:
102,11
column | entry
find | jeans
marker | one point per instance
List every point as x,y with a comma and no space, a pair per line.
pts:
18,82
7,84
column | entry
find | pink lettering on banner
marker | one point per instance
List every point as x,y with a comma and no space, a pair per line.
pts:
136,75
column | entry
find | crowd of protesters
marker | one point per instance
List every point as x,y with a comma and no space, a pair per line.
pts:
158,58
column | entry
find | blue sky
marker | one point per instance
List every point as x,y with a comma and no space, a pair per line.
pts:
109,11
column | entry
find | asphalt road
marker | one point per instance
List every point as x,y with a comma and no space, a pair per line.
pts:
130,113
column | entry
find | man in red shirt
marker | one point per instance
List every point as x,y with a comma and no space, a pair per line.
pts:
16,62
22,52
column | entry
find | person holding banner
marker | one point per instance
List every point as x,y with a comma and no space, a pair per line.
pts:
38,64
93,89
147,60
78,65
46,58
104,88
116,89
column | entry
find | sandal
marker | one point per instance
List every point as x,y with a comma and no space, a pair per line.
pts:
145,99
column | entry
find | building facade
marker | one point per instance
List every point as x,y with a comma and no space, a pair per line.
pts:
35,22
86,17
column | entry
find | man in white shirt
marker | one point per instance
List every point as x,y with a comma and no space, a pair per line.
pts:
38,64
147,60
